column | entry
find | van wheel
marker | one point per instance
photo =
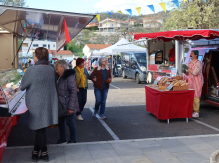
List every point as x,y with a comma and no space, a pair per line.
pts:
137,80
123,75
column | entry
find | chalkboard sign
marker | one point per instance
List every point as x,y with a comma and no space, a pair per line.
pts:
169,87
155,82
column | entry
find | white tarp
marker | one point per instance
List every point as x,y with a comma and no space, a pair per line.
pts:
96,53
122,45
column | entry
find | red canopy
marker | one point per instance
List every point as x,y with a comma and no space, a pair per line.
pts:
180,35
55,59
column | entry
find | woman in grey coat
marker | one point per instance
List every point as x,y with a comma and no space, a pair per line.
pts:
67,91
41,100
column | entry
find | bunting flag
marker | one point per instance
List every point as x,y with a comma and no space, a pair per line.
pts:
139,10
163,5
185,0
109,14
92,21
120,12
130,11
176,2
98,17
151,7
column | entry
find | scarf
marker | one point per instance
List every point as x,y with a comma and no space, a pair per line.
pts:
42,62
82,80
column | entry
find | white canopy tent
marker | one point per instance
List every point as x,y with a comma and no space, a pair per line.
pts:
96,53
122,45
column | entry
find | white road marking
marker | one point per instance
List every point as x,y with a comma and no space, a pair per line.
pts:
205,124
105,125
114,86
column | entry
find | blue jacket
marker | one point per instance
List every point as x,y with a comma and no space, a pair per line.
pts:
86,73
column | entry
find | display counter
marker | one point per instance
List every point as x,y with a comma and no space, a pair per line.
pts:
167,105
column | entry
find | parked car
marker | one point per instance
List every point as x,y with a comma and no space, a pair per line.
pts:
134,65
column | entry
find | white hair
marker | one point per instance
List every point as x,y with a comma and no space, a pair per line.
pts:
62,63
101,60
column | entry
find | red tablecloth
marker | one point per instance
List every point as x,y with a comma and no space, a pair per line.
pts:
169,104
5,128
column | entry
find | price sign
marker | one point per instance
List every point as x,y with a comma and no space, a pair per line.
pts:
169,87
155,82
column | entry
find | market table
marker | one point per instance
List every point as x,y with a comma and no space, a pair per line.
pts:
167,105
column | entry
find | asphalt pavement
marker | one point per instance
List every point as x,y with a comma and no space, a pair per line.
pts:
125,121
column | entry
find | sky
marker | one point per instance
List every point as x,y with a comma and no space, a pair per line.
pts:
94,6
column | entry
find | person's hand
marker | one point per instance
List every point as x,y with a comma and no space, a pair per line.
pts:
184,71
185,66
70,112
95,79
77,90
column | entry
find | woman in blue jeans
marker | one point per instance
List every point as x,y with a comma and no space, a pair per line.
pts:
67,92
101,77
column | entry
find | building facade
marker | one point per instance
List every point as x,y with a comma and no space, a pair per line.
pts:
111,25
153,22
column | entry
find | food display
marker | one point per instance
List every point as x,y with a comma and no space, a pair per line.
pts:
177,83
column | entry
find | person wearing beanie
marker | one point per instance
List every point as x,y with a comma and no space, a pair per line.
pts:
81,77
194,70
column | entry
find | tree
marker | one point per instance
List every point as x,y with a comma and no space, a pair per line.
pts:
18,3
195,14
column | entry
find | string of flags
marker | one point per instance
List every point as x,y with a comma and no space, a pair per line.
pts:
163,6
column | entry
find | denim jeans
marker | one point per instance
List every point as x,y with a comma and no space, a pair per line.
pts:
82,99
72,127
101,96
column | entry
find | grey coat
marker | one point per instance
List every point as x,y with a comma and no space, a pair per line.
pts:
67,90
41,96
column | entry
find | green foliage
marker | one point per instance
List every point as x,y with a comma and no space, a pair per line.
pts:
194,14
18,3
73,47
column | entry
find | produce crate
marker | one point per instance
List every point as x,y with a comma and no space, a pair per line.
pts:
180,88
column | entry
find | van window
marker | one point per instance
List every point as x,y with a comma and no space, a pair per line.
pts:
125,60
141,58
133,62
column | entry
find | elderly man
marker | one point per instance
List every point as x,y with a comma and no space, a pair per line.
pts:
194,70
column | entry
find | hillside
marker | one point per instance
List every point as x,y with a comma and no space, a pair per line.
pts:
126,17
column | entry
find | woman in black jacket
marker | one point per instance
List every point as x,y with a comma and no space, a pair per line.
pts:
67,92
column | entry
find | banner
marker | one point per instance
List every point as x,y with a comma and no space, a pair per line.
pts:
139,10
109,14
129,11
120,12
98,17
163,5
63,36
151,7
176,2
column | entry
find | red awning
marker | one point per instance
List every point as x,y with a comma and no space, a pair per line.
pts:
55,59
180,35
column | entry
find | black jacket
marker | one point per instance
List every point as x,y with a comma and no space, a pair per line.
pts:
67,90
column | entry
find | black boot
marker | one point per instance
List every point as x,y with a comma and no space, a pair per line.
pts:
35,156
44,156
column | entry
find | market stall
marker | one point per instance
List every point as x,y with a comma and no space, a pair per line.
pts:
17,23
169,98
159,45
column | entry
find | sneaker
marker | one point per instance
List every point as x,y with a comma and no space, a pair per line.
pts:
44,156
79,117
35,156
94,114
102,116
195,115
70,141
60,141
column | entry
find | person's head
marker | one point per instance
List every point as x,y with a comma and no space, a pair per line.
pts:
96,59
41,54
103,61
194,55
80,62
110,56
74,58
61,66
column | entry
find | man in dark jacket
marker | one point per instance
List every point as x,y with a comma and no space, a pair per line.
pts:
67,92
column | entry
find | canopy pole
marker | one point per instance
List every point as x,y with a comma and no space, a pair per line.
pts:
178,53
147,53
